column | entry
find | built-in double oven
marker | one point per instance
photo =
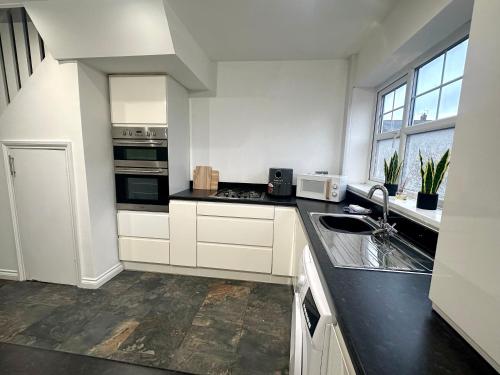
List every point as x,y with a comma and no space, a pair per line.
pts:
141,167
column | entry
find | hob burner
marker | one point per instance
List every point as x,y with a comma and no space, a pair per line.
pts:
239,194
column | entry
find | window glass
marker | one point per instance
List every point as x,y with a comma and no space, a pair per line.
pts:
385,149
388,101
433,145
399,97
443,74
455,62
450,97
425,108
387,123
392,112
429,75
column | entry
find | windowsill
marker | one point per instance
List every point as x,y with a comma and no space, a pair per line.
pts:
429,218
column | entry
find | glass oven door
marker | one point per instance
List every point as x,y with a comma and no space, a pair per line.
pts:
144,189
148,153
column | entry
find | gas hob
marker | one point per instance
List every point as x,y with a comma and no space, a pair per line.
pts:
239,194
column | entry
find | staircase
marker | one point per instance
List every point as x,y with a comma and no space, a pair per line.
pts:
21,50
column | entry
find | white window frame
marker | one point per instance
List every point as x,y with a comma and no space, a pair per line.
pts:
408,76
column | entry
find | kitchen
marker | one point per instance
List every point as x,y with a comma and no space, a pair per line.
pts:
206,196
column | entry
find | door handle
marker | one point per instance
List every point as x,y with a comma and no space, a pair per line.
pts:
12,166
118,142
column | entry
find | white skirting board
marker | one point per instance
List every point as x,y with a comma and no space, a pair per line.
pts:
9,274
207,272
97,282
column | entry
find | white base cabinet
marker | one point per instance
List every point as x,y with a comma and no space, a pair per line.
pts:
339,362
284,239
236,237
235,257
144,237
183,233
249,211
232,230
144,250
246,238
143,224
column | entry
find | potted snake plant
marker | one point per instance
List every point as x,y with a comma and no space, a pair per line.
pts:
432,177
392,170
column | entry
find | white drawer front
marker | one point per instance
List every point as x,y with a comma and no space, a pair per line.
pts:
235,257
143,250
254,211
236,231
143,224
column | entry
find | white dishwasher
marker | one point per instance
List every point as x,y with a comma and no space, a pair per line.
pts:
312,320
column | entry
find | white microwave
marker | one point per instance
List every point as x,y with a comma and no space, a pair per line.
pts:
322,186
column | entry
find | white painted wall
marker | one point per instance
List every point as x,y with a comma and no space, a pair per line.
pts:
48,108
99,167
359,134
466,282
178,136
271,114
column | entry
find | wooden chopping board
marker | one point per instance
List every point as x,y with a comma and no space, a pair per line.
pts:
202,177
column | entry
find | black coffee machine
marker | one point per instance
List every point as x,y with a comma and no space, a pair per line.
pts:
280,182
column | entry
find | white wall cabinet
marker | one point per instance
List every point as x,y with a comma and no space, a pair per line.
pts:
138,99
183,233
284,238
143,224
144,250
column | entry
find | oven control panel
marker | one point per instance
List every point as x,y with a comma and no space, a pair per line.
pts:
140,132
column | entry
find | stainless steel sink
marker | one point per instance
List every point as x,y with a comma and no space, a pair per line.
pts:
348,223
349,242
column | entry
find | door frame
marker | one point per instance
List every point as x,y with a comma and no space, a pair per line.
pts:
65,146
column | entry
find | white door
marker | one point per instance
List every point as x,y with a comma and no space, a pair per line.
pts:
43,207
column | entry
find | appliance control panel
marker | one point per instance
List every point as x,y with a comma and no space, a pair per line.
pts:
140,132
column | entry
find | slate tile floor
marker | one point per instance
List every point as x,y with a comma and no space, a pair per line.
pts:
191,324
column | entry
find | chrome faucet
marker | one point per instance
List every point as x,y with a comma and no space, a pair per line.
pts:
385,228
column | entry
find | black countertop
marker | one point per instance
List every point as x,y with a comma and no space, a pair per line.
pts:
386,318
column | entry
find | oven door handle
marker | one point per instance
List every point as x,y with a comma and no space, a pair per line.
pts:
150,143
157,172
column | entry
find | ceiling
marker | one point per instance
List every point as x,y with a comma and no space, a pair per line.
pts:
232,30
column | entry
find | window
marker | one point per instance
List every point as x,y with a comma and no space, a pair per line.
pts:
418,112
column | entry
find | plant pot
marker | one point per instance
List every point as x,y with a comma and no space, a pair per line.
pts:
392,189
427,201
